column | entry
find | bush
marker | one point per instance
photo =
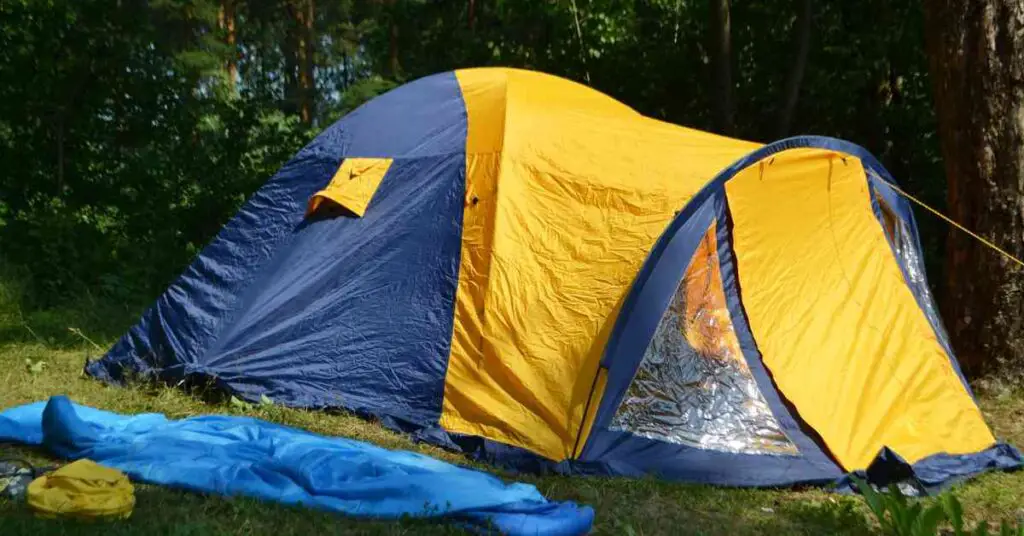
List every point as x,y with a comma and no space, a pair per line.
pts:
127,221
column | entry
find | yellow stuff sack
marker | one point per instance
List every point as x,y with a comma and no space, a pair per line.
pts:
82,489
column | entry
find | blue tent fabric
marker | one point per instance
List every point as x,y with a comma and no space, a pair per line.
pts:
229,455
240,314
935,473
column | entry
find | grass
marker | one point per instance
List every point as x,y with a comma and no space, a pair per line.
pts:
623,506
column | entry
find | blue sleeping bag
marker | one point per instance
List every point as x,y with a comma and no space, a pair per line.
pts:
245,456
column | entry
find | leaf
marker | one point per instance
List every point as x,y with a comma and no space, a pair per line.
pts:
914,512
871,497
904,515
897,496
927,524
265,400
1007,529
236,403
954,512
34,367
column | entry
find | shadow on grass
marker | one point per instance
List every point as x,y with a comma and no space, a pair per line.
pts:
831,517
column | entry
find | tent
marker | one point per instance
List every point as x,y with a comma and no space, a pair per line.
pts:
516,266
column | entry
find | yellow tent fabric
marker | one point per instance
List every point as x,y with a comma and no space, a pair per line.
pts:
835,321
571,190
353,185
83,489
567,191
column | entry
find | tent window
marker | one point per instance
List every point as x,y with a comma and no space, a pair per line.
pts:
890,222
905,248
352,186
693,386
902,243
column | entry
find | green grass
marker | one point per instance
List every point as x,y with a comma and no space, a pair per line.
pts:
623,506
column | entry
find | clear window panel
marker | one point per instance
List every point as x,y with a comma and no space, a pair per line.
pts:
905,247
693,386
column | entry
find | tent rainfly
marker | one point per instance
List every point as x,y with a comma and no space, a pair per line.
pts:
519,267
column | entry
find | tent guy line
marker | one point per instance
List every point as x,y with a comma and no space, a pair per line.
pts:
956,225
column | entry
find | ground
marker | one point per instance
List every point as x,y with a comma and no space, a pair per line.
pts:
623,506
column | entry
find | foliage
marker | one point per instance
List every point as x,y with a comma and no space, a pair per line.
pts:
898,516
117,167
129,135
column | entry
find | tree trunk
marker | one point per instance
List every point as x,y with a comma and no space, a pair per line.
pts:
796,72
60,153
900,138
472,14
390,12
290,52
307,80
226,22
721,62
299,61
976,53
393,65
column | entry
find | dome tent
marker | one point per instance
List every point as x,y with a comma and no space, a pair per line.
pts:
514,265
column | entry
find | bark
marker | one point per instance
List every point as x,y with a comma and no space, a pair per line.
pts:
796,72
721,61
60,153
976,55
390,11
290,52
393,66
900,137
226,22
300,81
307,80
472,15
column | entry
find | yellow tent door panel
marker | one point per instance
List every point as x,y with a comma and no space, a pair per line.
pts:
834,319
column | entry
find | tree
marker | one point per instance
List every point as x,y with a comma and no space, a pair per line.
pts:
226,23
976,51
300,60
796,72
111,119
307,61
721,62
394,68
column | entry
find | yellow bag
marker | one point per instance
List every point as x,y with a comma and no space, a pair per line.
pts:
83,489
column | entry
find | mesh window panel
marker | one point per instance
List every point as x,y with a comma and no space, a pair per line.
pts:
693,386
